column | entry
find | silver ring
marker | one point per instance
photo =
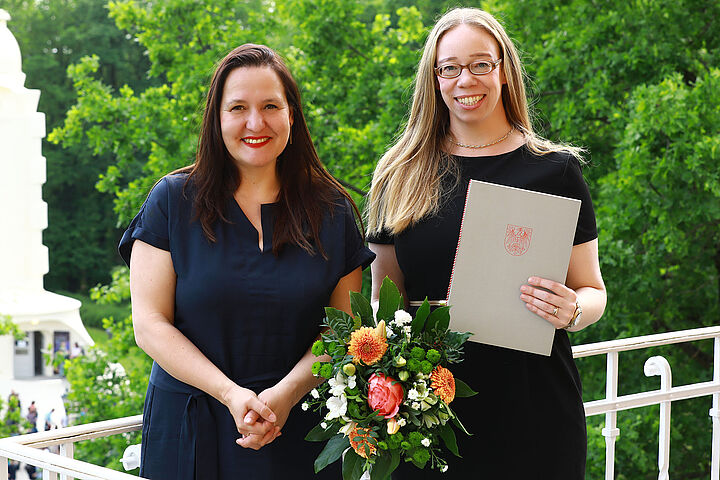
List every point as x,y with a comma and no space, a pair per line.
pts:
555,310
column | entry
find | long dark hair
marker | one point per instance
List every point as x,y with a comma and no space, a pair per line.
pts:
307,190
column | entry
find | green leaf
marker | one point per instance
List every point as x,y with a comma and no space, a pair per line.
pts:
448,437
339,322
334,314
332,451
361,308
457,421
463,390
384,465
319,434
418,323
353,465
438,320
389,300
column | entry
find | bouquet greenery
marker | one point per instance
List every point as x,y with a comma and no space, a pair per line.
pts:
388,391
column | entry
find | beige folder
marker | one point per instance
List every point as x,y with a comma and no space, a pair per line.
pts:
508,235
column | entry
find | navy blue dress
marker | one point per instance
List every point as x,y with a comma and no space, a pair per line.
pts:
528,421
252,314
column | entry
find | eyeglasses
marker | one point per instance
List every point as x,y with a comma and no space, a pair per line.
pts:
453,70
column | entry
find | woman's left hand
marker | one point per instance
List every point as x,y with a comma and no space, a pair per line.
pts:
281,405
557,305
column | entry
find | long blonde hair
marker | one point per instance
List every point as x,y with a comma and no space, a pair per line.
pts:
407,184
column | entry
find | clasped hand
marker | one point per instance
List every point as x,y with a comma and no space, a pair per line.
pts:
259,418
551,300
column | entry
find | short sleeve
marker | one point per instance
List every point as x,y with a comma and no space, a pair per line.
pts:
576,187
150,224
383,237
356,253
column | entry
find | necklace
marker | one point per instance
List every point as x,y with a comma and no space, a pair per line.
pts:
485,145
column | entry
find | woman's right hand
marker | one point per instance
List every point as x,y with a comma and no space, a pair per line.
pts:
240,401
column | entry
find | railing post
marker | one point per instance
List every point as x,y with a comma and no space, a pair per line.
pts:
715,415
48,475
610,432
3,468
659,366
67,450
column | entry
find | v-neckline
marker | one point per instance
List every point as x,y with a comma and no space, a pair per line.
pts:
260,247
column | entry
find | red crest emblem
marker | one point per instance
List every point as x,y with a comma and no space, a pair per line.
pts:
517,239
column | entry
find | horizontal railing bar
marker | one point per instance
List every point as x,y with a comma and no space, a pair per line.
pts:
59,464
647,341
87,436
79,432
646,399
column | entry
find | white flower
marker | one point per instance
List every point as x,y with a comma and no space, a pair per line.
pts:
337,407
351,381
402,317
416,405
413,394
315,393
425,442
337,384
402,422
345,429
444,468
305,406
408,331
323,425
389,332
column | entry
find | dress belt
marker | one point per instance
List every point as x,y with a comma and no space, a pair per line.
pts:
198,435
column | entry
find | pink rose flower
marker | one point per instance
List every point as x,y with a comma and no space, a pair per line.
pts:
385,394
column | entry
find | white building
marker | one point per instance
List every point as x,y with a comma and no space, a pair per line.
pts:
51,321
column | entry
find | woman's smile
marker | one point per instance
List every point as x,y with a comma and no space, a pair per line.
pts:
470,101
256,142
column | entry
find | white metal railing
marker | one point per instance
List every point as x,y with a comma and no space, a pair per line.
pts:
654,366
28,448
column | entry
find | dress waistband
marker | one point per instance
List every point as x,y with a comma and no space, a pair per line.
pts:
198,433
433,303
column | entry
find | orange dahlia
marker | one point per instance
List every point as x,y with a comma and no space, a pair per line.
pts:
360,441
443,383
367,346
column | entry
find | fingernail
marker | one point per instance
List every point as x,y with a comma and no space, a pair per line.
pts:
272,418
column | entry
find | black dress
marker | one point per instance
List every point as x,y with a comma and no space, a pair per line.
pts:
253,314
528,420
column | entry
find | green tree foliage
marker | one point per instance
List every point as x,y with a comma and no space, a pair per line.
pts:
52,36
634,81
183,40
11,420
8,327
586,57
356,77
105,384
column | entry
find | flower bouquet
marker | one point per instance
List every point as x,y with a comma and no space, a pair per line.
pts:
388,392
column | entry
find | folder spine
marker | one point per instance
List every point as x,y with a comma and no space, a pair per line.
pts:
457,247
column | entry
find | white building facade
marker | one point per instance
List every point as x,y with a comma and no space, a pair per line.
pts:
51,322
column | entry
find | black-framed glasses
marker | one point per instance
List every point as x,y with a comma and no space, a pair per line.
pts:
453,70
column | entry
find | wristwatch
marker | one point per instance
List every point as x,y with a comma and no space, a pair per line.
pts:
575,319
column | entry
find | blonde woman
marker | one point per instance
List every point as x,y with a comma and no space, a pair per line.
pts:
469,120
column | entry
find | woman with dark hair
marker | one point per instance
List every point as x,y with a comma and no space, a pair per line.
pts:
233,259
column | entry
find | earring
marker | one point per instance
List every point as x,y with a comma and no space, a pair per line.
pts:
290,138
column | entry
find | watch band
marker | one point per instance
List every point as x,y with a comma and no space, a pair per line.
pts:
575,319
